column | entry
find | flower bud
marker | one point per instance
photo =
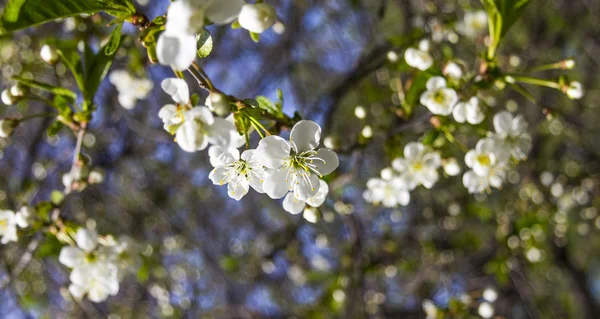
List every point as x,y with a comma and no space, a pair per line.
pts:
7,126
24,216
451,166
16,91
574,91
567,64
49,54
218,103
8,98
258,17
453,71
96,176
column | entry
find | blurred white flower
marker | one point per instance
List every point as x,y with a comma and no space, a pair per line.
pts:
511,136
92,272
238,172
257,17
130,89
297,165
474,24
490,295
390,193
8,226
419,59
438,98
418,167
469,111
218,103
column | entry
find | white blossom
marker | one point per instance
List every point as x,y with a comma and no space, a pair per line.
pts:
8,226
511,135
485,310
93,273
474,23
238,172
469,111
419,59
257,17
487,166
130,89
297,165
8,98
438,98
418,167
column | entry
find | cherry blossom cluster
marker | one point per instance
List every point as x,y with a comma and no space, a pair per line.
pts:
292,169
98,264
177,46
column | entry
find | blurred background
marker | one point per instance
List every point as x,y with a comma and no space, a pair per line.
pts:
535,243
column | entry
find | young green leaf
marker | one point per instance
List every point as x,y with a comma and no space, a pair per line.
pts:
115,40
205,43
96,70
21,14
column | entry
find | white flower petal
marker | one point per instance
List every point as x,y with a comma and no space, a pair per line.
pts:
237,188
321,195
277,184
305,135
224,11
86,239
177,89
71,256
328,163
177,50
503,123
293,205
413,150
221,155
272,151
306,185
435,82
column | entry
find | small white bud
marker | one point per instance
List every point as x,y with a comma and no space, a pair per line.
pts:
392,56
574,91
490,295
16,91
48,54
96,176
24,216
7,126
485,310
451,166
360,112
568,64
367,131
257,17
218,103
424,45
453,71
7,98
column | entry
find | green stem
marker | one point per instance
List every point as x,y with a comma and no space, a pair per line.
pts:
524,79
32,116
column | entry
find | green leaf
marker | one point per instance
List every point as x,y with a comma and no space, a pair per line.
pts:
115,40
21,14
205,43
54,128
96,69
255,37
502,14
267,105
56,90
72,60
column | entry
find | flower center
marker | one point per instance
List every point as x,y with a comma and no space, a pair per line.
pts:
439,96
417,166
484,160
